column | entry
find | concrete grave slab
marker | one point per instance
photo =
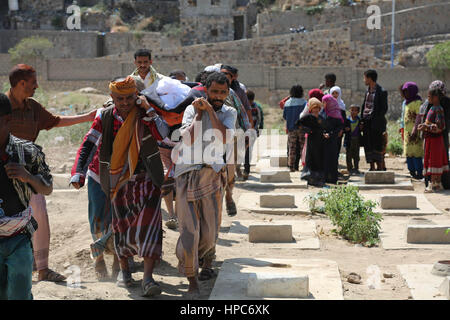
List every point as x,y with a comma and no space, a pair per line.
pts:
232,281
277,285
251,202
277,200
304,235
254,183
393,233
424,207
379,177
428,234
401,183
275,176
441,268
398,202
270,233
423,284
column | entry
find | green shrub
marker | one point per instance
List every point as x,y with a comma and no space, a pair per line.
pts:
395,147
29,49
438,58
395,142
353,216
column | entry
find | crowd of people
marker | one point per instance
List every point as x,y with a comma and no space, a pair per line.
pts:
317,127
134,155
165,137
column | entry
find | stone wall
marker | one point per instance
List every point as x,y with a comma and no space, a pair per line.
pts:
321,48
41,5
270,83
74,44
116,43
67,44
414,19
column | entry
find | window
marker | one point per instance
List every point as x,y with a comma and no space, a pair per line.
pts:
214,33
215,2
192,3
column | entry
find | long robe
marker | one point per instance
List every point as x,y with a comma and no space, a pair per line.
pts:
313,171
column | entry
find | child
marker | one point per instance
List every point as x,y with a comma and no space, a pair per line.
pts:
436,162
352,140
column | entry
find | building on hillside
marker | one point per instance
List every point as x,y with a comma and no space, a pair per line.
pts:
205,21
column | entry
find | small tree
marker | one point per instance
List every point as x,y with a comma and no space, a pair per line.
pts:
29,49
438,58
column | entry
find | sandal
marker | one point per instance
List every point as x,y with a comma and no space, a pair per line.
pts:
100,271
53,276
206,274
150,288
231,208
124,279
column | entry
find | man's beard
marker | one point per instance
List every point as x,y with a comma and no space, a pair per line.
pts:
216,108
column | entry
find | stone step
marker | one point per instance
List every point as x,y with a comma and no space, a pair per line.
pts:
275,176
379,177
277,201
269,285
270,233
427,234
398,202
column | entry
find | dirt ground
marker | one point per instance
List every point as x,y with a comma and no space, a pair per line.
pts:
70,239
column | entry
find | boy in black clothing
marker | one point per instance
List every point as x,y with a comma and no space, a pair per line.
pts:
352,140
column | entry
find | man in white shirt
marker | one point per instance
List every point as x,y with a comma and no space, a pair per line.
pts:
200,182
